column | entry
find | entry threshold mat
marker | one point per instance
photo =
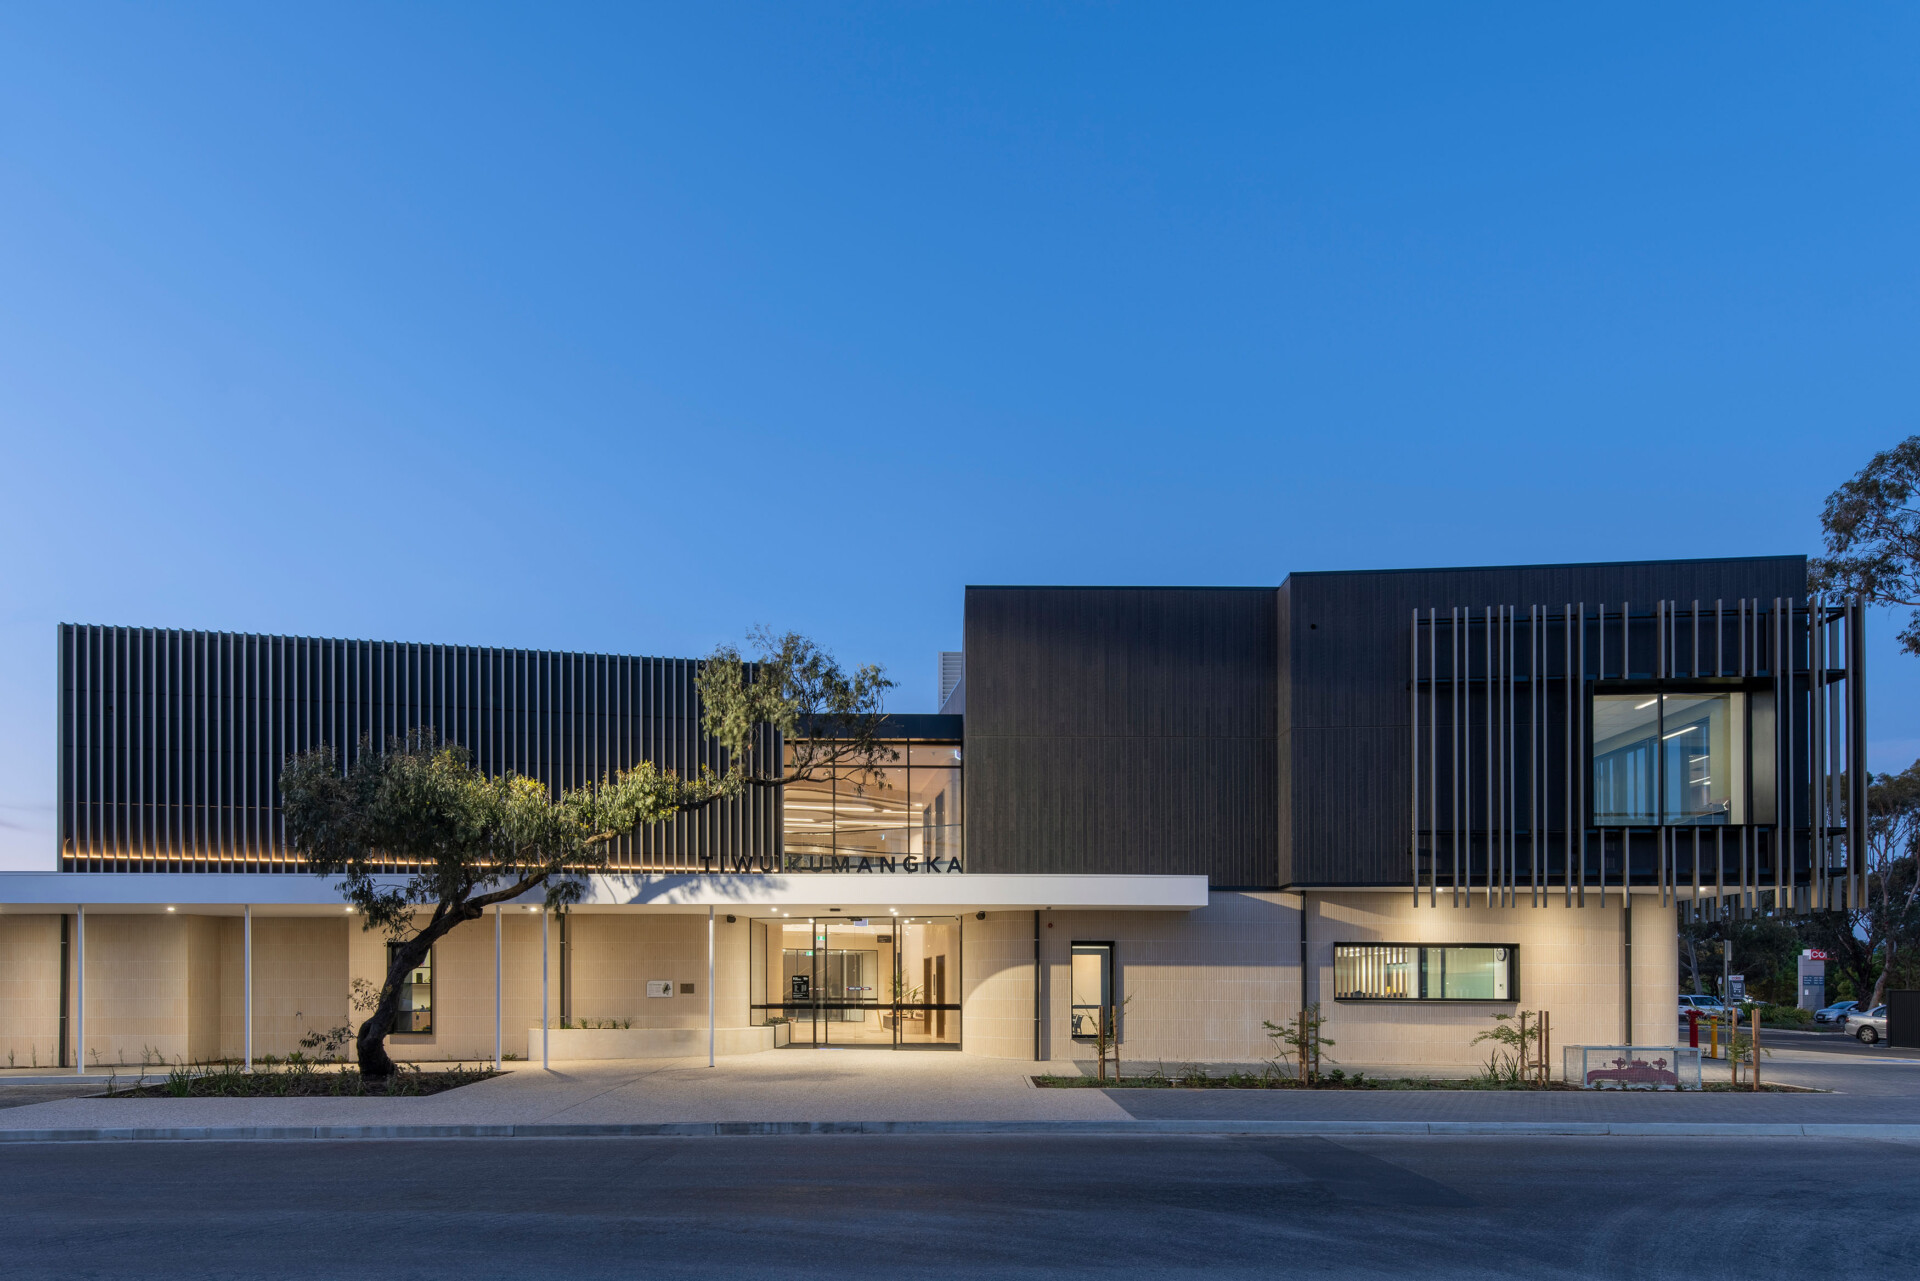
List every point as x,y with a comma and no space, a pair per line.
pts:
725,1129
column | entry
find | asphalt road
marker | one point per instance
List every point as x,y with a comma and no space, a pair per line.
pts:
974,1206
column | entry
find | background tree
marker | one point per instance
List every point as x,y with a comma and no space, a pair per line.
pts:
1890,917
1875,943
469,841
1873,537
827,720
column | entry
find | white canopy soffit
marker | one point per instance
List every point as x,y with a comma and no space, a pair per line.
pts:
297,894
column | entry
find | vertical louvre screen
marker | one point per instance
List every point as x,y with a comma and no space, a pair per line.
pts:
171,743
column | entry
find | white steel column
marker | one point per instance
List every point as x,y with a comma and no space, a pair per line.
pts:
80,990
709,986
496,987
544,914
246,968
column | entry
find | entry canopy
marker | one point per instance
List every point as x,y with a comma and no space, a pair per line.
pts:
814,893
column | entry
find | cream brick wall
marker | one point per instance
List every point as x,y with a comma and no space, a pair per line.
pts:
1201,981
996,994
203,987
137,979
614,956
299,980
29,990
463,985
1571,964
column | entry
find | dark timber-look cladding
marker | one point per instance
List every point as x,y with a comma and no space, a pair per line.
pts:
1344,739
171,743
1122,730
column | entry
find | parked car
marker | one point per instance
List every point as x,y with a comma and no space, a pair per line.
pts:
1832,1013
1709,1006
1869,1028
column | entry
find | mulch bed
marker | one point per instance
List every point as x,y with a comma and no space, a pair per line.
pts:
229,1082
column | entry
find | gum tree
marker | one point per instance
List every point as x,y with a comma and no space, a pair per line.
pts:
465,841
1872,528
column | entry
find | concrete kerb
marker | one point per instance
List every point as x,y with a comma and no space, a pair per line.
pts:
734,1129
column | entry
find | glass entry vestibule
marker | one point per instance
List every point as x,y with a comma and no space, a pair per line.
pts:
880,981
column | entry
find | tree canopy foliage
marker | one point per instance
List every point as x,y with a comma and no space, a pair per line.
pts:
1872,531
412,826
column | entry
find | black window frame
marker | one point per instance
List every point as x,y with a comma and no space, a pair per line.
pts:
1750,686
1111,1010
1513,974
433,983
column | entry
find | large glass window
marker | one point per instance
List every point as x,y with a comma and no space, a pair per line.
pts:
888,980
1411,972
911,808
1674,758
416,995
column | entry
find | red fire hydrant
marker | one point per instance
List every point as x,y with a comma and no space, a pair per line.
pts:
1693,1029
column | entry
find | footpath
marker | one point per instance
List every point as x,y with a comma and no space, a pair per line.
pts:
882,1092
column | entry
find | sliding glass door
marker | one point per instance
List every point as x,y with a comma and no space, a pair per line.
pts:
880,981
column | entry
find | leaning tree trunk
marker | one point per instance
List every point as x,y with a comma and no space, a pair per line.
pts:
370,1043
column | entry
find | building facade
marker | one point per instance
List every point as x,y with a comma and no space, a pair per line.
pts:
1414,798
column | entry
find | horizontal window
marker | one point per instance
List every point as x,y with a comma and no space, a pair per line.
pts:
1415,972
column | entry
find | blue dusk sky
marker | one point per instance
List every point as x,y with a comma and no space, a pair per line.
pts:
626,328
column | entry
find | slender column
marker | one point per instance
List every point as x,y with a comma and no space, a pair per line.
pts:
544,915
709,985
1036,985
80,990
1626,962
246,970
496,987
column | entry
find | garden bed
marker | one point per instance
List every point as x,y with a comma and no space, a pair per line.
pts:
1256,1081
226,1081
1360,1081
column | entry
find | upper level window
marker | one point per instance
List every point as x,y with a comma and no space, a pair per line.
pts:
912,807
1678,758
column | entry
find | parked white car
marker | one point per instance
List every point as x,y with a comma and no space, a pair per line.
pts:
1709,1006
1869,1028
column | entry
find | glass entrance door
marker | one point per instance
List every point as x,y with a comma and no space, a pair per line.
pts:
883,981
